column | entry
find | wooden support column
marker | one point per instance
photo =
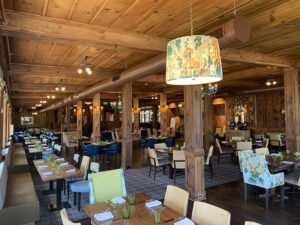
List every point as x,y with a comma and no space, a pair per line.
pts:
208,128
292,109
79,118
68,116
96,116
1,119
136,114
4,123
59,118
194,153
126,125
154,117
163,114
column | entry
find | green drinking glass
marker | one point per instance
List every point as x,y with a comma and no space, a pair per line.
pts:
177,146
58,170
288,152
131,199
126,212
157,217
113,204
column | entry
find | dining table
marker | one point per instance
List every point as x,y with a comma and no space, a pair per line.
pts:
50,173
287,164
140,214
79,141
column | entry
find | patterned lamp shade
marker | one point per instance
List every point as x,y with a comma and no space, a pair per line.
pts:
193,60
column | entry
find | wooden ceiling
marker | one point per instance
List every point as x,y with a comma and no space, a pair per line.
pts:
45,41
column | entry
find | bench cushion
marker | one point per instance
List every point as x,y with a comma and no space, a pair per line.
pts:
3,183
20,200
19,163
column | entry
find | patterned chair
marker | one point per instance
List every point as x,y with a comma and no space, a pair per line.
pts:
106,185
256,172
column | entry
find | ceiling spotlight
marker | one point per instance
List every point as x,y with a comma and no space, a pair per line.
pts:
41,101
48,96
155,97
33,107
53,96
56,89
84,65
152,97
274,82
63,88
88,70
268,83
79,70
44,101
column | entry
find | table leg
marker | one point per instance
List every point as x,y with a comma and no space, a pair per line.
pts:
51,189
171,172
59,204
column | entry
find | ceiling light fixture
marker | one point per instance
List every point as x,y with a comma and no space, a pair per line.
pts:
271,82
60,86
85,65
193,59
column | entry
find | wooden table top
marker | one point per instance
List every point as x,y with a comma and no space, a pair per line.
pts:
35,150
54,176
139,213
280,165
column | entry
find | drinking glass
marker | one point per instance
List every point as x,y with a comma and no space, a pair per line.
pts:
131,199
126,212
156,217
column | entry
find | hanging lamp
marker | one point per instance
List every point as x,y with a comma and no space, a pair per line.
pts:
193,59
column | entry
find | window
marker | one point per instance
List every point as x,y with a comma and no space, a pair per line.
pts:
146,114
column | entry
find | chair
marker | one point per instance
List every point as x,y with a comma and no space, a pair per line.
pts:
240,162
68,140
241,146
256,172
113,136
223,152
152,142
57,149
83,185
106,185
176,199
117,136
76,159
265,143
264,151
114,149
170,142
252,223
65,219
178,162
143,143
205,213
276,142
84,166
94,150
149,132
208,162
156,163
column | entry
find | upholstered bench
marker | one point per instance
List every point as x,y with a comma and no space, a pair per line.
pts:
18,200
19,163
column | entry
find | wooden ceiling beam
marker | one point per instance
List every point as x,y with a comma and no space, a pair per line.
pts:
24,25
155,78
61,71
249,73
35,96
236,55
44,87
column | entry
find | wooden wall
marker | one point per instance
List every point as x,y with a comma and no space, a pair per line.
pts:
264,111
39,120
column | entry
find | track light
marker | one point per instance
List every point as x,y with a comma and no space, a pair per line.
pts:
63,88
88,70
53,96
79,70
84,65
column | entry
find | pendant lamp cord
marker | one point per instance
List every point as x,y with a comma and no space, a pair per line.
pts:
234,9
191,18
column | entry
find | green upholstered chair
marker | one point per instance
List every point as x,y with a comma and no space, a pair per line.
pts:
106,185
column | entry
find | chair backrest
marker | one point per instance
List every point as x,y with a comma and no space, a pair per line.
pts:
240,146
204,213
84,166
264,151
176,199
149,132
219,146
95,167
3,183
265,143
117,136
252,223
151,142
106,185
154,131
239,157
160,146
256,172
113,136
209,155
275,139
170,142
57,147
178,155
238,138
218,130
117,147
65,219
153,157
68,137
76,158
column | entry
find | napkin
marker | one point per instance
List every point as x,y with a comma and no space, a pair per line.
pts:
64,164
43,166
275,154
44,145
70,171
60,159
47,174
153,203
185,221
288,162
40,161
258,141
160,150
103,216
118,199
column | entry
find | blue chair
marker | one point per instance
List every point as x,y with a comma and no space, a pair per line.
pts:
102,135
256,172
170,142
143,143
114,149
152,142
94,150
84,148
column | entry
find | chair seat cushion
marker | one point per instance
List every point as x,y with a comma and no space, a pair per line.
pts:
73,179
80,186
48,155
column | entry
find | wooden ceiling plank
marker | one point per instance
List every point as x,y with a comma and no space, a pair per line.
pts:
99,11
49,87
45,7
33,51
50,53
58,30
66,55
73,7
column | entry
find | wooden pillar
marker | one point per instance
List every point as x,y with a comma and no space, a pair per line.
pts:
194,153
292,109
68,116
79,118
136,114
126,125
163,114
4,123
59,118
1,119
154,117
96,116
208,126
